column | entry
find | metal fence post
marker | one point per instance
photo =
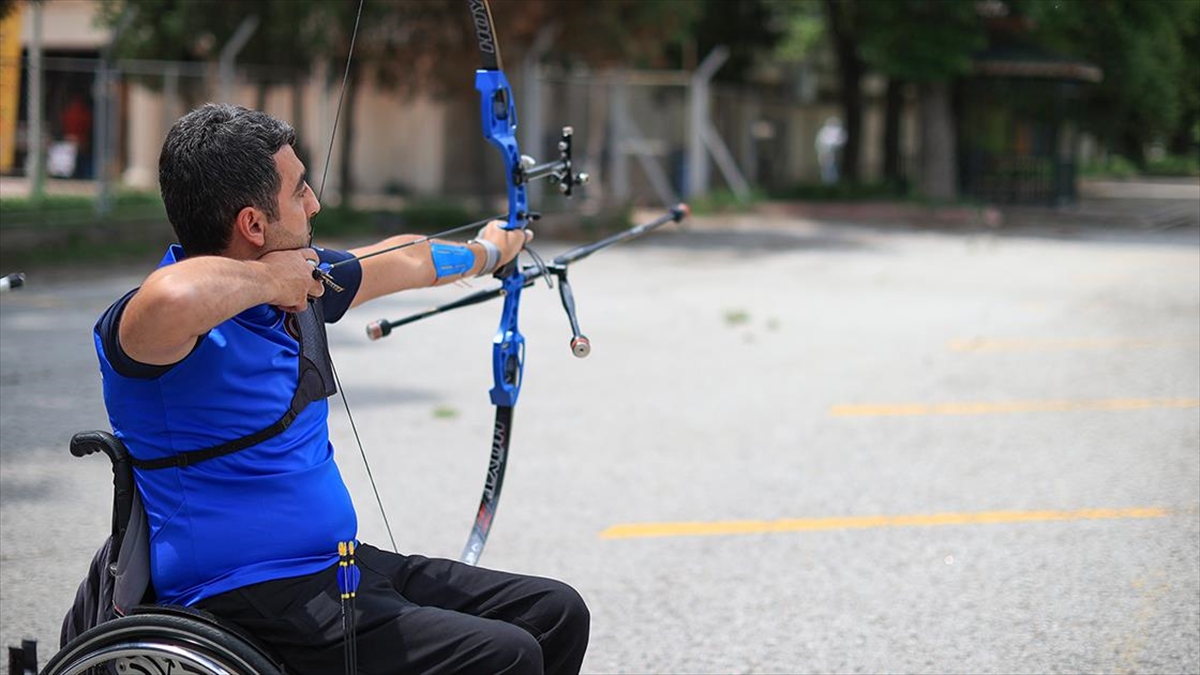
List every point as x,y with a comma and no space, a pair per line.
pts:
229,54
36,110
105,122
699,103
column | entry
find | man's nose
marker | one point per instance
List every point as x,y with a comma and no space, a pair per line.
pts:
315,206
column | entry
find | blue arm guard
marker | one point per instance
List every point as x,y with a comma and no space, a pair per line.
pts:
451,259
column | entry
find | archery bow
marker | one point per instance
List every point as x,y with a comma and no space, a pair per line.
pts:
498,116
498,113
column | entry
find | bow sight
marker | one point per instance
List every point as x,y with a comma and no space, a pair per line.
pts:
559,172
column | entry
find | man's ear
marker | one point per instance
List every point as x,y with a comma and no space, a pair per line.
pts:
250,226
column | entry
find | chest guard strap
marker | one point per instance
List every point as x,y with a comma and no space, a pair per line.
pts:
314,381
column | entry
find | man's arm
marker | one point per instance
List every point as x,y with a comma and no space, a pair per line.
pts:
181,302
413,267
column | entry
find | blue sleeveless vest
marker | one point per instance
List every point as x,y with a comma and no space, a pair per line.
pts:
274,509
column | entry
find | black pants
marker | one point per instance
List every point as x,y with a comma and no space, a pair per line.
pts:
416,615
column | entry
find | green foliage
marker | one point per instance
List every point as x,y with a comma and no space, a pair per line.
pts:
920,40
422,216
803,32
409,46
89,247
62,229
65,228
290,33
1115,166
68,211
912,40
748,28
1174,165
1148,52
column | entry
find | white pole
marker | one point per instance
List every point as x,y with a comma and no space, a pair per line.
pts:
36,110
105,120
229,54
532,122
619,163
698,113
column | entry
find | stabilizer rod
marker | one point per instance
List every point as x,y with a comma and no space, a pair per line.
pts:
580,346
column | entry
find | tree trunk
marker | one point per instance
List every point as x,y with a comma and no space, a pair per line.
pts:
298,118
346,150
839,14
939,162
1132,147
893,172
852,106
1181,141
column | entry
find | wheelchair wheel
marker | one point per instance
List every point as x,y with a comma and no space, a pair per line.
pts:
160,644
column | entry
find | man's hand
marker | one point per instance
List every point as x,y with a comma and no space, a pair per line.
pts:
291,274
510,242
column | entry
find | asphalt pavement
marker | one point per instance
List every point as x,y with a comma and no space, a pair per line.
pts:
796,446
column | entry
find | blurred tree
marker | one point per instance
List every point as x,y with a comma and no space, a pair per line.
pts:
290,36
845,23
1187,131
409,47
925,42
928,43
749,28
803,23
1148,50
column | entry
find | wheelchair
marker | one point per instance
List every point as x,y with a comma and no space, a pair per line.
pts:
148,639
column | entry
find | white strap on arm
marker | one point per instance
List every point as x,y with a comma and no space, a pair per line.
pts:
493,256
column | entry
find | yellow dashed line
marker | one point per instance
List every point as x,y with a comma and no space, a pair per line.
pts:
731,527
986,345
986,408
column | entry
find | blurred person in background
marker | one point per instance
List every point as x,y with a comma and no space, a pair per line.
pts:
77,129
830,139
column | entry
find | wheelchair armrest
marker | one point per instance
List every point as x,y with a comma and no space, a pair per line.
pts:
89,442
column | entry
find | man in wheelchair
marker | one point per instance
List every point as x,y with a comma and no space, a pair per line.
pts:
216,376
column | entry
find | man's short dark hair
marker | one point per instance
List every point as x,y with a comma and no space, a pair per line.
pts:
217,160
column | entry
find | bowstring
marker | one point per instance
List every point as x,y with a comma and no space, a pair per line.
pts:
337,381
341,96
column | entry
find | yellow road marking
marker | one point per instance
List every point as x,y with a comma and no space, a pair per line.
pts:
986,408
729,527
990,345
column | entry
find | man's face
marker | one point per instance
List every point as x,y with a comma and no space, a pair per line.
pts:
297,204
